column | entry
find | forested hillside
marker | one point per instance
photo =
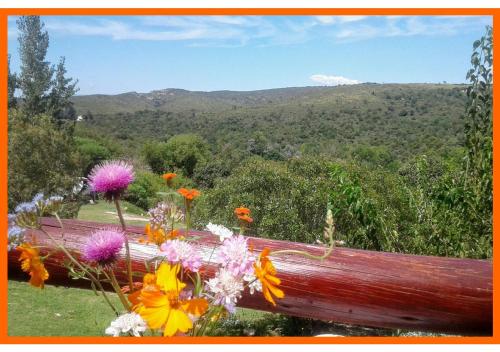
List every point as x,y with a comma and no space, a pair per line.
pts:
397,120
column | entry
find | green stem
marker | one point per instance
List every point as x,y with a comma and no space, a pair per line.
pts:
306,254
127,247
188,217
208,323
118,291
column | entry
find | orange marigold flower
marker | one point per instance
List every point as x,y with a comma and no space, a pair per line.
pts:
266,273
169,176
32,264
241,211
189,194
161,304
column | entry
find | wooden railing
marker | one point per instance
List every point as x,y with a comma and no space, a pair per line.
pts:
360,287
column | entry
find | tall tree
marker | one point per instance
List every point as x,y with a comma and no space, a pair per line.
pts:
36,74
11,85
479,129
60,105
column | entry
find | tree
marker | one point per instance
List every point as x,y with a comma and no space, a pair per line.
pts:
11,86
35,78
478,174
60,105
479,123
182,152
41,158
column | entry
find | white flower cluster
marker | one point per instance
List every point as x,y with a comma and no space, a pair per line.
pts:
219,230
129,323
226,289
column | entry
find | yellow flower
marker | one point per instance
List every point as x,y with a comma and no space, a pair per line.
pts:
266,273
32,264
161,306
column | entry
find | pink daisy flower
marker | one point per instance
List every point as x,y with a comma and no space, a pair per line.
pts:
111,178
103,246
176,251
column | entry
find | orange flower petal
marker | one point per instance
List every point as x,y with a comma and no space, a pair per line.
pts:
195,306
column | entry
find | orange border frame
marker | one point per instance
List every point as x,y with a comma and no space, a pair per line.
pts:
4,338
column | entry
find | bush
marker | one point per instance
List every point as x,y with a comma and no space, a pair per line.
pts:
288,200
91,152
182,152
143,191
42,158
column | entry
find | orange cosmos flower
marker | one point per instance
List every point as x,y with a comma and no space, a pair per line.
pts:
153,235
266,273
169,176
243,214
161,306
148,283
32,264
245,218
241,211
157,236
189,194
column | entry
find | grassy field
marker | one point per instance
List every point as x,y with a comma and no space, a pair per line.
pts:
106,212
56,311
63,311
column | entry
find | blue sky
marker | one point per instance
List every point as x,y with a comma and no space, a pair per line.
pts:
112,55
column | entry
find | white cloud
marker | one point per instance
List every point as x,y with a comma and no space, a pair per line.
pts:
325,19
405,26
122,31
339,19
333,80
233,31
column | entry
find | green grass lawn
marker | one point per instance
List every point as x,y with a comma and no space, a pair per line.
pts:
105,212
56,311
63,311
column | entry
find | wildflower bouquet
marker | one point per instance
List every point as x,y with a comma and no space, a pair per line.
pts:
175,296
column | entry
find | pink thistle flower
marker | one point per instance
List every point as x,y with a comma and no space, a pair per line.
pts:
103,246
177,251
235,257
111,178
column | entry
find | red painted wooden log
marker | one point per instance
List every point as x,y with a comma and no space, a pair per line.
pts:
368,288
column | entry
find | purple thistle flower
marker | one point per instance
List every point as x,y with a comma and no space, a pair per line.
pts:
111,178
176,251
103,246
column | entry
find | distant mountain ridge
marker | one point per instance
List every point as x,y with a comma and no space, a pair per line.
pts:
178,100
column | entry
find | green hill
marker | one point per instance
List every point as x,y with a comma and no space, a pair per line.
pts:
402,119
